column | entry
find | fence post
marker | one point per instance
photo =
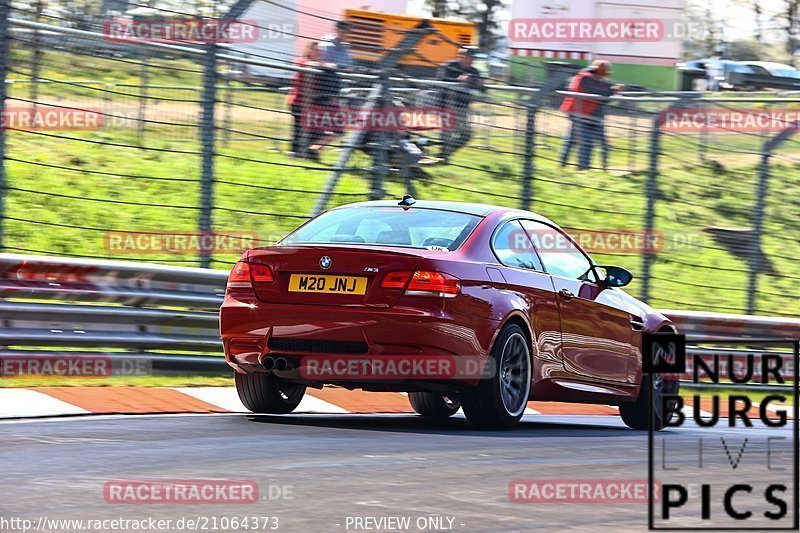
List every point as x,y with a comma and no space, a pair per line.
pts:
756,255
5,12
530,153
633,125
37,56
227,117
650,191
532,105
383,144
144,80
207,148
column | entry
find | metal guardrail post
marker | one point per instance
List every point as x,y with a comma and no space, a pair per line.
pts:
756,256
5,11
207,147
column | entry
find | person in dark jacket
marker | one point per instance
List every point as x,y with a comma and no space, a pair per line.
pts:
586,114
457,99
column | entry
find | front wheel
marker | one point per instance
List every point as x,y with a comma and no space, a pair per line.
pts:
500,398
435,404
262,392
636,415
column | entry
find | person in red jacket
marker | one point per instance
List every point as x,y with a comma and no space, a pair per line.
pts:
299,97
586,114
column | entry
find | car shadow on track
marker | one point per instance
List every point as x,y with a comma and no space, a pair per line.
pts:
456,425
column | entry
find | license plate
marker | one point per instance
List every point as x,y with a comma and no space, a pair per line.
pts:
327,284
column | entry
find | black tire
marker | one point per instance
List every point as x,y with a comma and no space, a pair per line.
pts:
636,415
262,392
435,404
500,398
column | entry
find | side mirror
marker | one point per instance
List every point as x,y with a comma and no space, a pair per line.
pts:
616,276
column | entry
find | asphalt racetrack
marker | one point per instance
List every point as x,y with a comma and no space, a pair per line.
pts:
345,472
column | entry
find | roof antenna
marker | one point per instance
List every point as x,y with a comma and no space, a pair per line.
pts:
406,202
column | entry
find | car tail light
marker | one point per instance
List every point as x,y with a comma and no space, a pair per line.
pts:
396,280
260,273
244,274
423,283
240,276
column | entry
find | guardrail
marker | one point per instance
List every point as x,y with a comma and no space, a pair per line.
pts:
168,315
165,315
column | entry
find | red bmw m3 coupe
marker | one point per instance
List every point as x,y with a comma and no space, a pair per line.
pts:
461,305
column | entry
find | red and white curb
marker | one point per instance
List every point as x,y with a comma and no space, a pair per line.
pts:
66,401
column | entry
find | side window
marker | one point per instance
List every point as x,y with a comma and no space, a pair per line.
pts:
560,255
513,247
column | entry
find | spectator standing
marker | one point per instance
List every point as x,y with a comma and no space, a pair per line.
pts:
336,50
300,97
587,115
457,99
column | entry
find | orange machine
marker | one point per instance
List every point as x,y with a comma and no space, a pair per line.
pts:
373,34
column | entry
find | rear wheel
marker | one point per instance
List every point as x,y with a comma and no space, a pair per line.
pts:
262,392
435,404
500,398
636,414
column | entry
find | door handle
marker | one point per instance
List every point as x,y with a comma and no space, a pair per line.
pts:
564,293
637,324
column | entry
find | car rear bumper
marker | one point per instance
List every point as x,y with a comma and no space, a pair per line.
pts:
252,331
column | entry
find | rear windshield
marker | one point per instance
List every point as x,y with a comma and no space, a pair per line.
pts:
387,226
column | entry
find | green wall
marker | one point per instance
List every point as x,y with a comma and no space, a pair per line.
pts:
532,69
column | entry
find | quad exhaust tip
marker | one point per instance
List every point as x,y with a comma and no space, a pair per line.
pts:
277,363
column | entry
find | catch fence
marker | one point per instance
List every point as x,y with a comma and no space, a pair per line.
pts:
187,143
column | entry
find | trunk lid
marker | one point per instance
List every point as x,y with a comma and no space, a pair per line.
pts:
303,262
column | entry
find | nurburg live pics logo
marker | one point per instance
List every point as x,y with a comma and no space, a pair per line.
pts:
727,459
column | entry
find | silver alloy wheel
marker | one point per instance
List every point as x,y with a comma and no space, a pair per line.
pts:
514,373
